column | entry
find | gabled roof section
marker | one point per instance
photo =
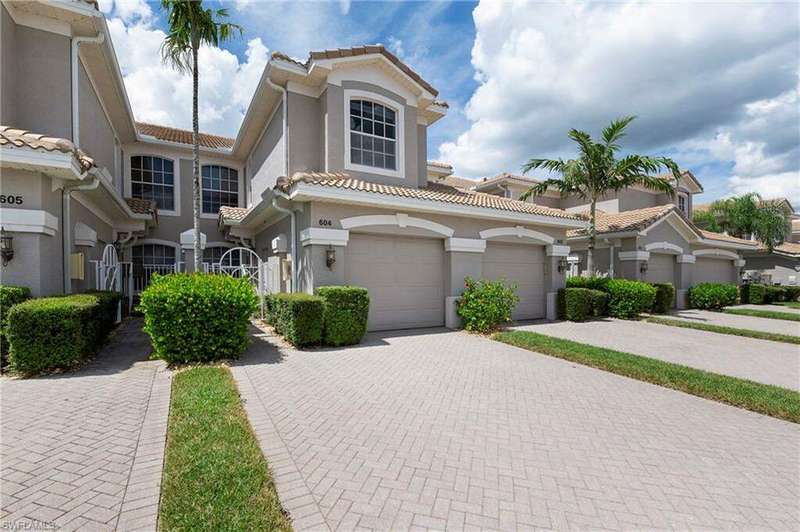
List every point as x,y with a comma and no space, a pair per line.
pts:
627,221
21,138
503,178
458,182
721,237
688,179
183,136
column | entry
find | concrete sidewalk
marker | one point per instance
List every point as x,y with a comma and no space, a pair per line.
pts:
84,450
759,360
739,322
774,308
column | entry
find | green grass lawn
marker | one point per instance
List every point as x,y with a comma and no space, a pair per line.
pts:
790,304
721,329
758,313
762,398
215,477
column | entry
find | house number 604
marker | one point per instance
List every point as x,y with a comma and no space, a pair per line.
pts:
323,222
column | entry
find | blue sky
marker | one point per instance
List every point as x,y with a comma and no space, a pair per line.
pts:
714,86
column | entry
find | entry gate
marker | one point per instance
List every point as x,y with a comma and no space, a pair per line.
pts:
249,266
108,274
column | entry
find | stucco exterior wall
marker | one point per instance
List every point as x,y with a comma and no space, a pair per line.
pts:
79,213
8,66
305,149
97,135
267,160
664,232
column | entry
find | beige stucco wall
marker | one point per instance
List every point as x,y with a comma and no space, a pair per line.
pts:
79,213
8,66
97,135
266,162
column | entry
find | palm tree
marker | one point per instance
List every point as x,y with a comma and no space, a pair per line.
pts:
597,171
190,26
749,216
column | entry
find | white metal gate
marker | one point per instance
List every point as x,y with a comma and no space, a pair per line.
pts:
108,274
248,266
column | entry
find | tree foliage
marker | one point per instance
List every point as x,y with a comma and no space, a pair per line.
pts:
745,216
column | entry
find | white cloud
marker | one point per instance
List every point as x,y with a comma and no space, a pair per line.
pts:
162,95
702,72
781,185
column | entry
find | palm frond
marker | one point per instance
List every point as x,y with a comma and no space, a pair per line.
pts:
551,165
542,187
615,131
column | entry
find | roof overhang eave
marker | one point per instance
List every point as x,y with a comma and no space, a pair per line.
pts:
726,245
309,192
605,236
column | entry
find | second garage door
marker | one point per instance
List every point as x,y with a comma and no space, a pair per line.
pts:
661,268
404,276
713,271
522,265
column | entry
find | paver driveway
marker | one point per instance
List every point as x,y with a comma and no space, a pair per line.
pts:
740,322
764,361
442,429
84,450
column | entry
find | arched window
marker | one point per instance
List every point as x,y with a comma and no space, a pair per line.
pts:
153,178
220,187
373,135
153,254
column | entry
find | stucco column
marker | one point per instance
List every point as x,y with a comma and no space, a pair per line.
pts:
463,258
631,264
555,277
322,257
683,279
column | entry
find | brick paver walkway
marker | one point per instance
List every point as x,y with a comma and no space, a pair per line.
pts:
737,321
448,430
84,450
764,361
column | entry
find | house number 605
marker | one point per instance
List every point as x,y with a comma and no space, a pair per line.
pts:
323,222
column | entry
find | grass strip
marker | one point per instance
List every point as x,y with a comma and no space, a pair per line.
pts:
790,304
215,477
758,313
721,329
765,399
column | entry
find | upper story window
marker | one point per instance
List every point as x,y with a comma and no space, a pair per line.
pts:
220,187
373,135
152,255
153,178
682,203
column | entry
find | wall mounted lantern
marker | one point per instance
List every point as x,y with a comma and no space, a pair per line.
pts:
563,264
6,246
643,267
330,257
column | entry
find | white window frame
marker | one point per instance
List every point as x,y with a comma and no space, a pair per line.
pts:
176,184
685,198
239,173
399,109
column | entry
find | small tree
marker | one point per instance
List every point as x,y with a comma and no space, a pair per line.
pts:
749,216
597,171
771,226
191,26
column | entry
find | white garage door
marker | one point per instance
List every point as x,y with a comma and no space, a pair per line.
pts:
661,268
523,265
708,270
404,276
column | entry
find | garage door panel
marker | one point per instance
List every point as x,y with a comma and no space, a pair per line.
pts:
523,265
404,276
708,270
661,268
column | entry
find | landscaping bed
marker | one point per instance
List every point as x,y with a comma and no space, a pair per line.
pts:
758,313
215,477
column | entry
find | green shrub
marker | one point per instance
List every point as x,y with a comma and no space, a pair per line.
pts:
753,293
665,296
792,293
345,316
9,296
298,317
561,304
577,304
197,317
599,303
627,299
55,332
485,304
774,294
593,283
713,295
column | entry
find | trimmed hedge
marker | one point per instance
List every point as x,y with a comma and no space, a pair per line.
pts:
197,317
345,315
753,293
9,296
792,293
774,294
593,283
297,316
58,332
628,299
485,304
579,304
713,295
599,303
665,296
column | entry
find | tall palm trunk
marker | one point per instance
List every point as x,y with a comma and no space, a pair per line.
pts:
592,238
196,162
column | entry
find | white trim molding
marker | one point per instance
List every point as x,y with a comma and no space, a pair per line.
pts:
28,221
517,231
84,235
467,245
324,237
664,247
176,178
555,250
739,263
187,240
715,253
634,255
399,220
685,259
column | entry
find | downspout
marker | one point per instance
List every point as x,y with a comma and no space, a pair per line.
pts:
76,42
66,232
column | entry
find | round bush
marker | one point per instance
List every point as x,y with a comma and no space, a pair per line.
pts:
345,316
713,295
628,299
485,305
665,296
198,317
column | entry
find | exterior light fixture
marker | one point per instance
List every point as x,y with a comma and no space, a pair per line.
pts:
563,264
330,257
6,246
643,267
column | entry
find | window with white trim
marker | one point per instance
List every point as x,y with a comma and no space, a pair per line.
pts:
153,254
373,134
153,178
220,187
214,254
682,203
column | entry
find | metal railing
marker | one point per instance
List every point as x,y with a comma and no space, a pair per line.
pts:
142,273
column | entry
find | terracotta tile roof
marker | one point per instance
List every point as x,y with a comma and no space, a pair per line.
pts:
795,225
622,222
711,235
458,182
362,50
431,192
439,164
183,136
505,176
232,214
142,206
788,248
34,141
